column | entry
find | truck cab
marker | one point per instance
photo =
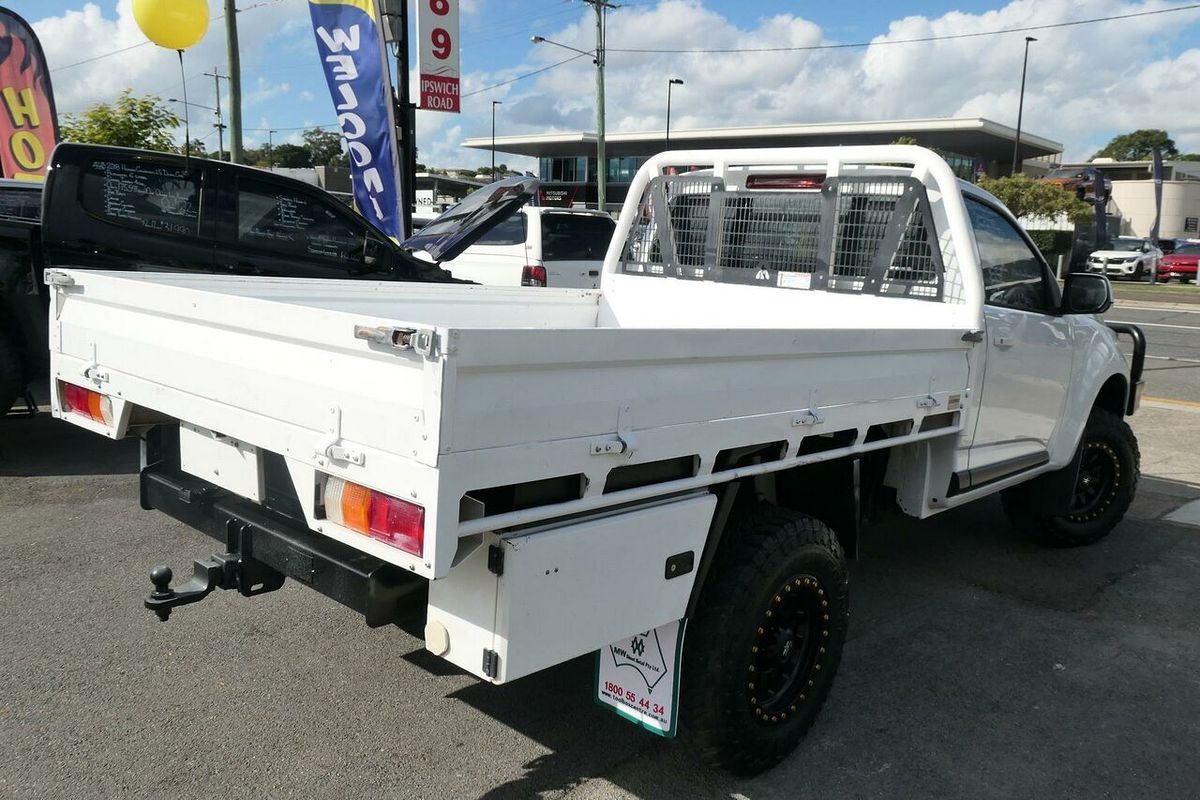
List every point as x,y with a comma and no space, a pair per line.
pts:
119,208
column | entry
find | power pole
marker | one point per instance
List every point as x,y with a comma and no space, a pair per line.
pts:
395,18
217,76
600,6
235,83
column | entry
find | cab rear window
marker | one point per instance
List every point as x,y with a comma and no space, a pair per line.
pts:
575,237
21,202
142,194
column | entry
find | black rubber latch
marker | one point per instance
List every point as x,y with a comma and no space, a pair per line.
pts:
679,564
496,559
491,663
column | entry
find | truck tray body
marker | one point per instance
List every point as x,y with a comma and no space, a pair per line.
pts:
510,388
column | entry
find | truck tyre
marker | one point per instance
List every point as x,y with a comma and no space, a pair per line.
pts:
764,644
11,382
1108,475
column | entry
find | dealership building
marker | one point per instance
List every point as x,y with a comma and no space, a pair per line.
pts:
567,161
1131,204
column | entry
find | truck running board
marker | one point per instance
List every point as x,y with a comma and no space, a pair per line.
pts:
262,548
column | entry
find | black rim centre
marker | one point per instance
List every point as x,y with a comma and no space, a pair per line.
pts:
789,645
1098,481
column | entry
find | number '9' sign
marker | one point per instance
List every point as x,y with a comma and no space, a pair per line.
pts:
437,32
440,38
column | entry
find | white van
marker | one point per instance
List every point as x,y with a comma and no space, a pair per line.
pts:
558,247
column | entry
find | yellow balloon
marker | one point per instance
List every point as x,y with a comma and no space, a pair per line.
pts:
174,24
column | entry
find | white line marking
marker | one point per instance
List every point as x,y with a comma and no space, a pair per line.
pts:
1172,358
1157,325
1172,309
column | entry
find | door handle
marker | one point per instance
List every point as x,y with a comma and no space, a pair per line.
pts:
1003,340
593,273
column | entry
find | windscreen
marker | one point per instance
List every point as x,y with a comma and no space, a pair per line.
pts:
864,234
575,237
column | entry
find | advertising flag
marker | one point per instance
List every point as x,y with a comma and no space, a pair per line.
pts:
350,43
437,59
28,122
1158,179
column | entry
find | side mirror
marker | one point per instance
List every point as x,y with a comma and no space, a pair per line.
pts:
371,249
1086,293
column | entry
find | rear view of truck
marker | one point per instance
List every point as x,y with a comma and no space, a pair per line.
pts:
669,472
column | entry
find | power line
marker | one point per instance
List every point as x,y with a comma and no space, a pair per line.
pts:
523,77
146,42
945,37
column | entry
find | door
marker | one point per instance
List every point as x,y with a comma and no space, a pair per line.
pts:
1028,359
292,230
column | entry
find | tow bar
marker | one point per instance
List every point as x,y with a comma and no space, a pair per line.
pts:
218,571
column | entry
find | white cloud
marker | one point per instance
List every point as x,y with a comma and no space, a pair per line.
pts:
1085,83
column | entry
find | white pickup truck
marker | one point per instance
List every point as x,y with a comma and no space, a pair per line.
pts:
669,472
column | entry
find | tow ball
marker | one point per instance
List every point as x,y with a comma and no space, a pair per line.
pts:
218,571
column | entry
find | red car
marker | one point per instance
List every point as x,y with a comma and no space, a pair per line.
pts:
1181,264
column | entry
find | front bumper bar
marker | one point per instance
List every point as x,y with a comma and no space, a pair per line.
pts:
1136,383
262,548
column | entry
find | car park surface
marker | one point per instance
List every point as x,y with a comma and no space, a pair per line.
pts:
978,665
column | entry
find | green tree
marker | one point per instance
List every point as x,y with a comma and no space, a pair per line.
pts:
1188,157
129,121
287,154
1138,145
325,147
1026,197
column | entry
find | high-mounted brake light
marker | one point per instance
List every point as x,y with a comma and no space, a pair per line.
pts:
785,181
392,521
85,402
533,276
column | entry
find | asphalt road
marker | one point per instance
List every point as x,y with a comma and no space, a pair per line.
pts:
978,666
1172,346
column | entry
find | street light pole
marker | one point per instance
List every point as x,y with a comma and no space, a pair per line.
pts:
670,82
494,104
235,82
1021,104
270,150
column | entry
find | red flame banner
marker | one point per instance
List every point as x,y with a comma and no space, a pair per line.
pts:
28,122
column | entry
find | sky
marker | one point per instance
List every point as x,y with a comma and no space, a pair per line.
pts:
1085,83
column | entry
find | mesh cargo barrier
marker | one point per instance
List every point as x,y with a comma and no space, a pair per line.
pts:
865,234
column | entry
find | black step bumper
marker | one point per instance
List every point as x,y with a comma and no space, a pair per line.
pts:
268,542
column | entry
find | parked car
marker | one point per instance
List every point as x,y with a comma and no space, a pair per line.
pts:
23,343
1180,265
540,246
1077,181
1126,257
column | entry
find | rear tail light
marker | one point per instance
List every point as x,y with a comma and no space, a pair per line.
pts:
785,181
533,276
85,402
392,521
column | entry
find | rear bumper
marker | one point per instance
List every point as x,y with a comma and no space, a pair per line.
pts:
380,591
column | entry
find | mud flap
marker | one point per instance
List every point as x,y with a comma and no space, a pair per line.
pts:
638,677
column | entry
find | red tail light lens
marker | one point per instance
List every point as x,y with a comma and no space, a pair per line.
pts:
392,521
86,403
785,181
533,276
